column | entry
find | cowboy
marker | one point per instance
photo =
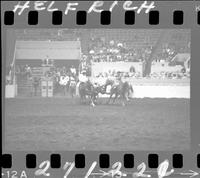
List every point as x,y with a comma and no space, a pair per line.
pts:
83,77
118,80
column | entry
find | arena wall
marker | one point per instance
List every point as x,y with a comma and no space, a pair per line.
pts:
150,88
160,92
10,91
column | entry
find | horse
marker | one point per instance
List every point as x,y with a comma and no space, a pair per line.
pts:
122,90
98,89
87,89
101,89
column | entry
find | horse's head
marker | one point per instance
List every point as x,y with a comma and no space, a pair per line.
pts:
89,86
100,89
109,82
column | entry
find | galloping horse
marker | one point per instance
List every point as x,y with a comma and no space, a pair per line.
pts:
102,89
121,90
87,89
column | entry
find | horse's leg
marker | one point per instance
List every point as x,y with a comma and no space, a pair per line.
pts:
77,89
127,96
71,92
114,99
96,98
92,101
64,90
81,94
84,99
131,92
123,99
111,94
123,103
81,99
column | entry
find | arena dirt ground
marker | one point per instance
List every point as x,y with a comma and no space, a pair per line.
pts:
63,124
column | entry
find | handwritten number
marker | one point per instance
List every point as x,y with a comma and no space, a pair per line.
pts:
91,169
116,170
42,171
162,169
141,168
14,173
70,165
8,174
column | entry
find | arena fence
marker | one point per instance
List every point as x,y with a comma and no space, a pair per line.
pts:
159,92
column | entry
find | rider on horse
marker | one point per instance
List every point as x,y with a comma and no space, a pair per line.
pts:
82,77
85,80
86,88
117,81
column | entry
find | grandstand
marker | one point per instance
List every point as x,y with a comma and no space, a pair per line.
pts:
135,38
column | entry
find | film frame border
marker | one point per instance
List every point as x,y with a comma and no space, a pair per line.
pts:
153,158
105,17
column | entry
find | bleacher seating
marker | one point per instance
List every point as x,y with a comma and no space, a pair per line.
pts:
135,38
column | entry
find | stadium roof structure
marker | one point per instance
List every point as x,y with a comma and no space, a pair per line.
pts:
57,50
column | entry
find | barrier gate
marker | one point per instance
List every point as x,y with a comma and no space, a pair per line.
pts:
47,87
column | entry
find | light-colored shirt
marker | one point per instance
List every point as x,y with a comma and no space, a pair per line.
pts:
73,70
83,78
64,80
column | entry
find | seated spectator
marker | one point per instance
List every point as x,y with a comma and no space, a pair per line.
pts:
132,69
183,70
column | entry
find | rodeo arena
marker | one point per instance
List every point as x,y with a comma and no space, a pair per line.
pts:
97,89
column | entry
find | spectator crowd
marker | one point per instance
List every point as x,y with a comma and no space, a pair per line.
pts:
117,51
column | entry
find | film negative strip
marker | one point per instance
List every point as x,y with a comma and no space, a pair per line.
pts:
100,89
